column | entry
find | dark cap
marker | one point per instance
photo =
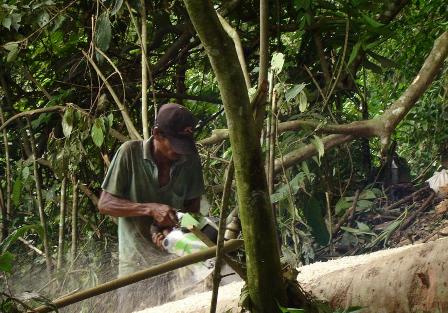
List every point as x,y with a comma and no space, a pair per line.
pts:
177,124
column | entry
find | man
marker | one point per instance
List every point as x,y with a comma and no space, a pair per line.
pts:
147,182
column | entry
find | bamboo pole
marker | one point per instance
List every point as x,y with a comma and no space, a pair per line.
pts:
6,201
63,205
203,255
74,247
43,218
222,225
144,71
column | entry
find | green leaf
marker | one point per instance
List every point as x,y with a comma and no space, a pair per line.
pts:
15,20
364,204
67,122
294,91
25,172
354,53
303,102
278,59
97,132
318,143
371,22
7,21
6,260
19,232
103,32
367,195
116,7
363,227
341,206
110,119
43,19
17,191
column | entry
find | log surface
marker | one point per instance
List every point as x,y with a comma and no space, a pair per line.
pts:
412,278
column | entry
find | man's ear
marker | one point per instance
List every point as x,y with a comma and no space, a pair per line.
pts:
157,134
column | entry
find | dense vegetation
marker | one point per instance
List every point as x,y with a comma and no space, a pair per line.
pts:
73,87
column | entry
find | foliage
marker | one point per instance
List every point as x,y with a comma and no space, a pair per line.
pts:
371,59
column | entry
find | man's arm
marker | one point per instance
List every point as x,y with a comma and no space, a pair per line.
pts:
163,214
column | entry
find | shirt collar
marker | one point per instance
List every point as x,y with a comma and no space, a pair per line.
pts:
147,155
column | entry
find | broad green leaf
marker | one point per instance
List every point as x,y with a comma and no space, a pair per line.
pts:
103,32
67,122
19,232
97,133
110,119
43,19
318,143
6,260
354,53
25,172
11,46
371,22
341,206
367,195
116,7
278,59
7,21
294,91
363,227
364,204
303,102
17,191
13,50
16,18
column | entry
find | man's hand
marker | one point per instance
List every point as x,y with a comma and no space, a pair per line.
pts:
164,215
159,235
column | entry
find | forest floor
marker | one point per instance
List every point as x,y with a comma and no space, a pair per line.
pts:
419,217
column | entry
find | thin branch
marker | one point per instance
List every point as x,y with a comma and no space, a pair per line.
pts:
40,201
124,112
224,212
143,45
63,204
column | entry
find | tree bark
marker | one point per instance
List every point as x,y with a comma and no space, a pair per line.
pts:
6,200
408,279
40,201
144,40
74,247
253,196
63,204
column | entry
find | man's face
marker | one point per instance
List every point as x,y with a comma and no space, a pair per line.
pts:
165,147
168,150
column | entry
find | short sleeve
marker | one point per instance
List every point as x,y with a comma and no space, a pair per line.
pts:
117,180
196,180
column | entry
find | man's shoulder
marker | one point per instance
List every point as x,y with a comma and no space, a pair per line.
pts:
131,146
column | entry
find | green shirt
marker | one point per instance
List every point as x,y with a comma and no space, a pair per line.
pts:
133,175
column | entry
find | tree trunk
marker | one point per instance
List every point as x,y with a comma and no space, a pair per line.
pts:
40,201
63,205
6,201
74,247
253,197
145,124
408,279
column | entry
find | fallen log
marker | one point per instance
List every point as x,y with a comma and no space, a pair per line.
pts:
412,278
